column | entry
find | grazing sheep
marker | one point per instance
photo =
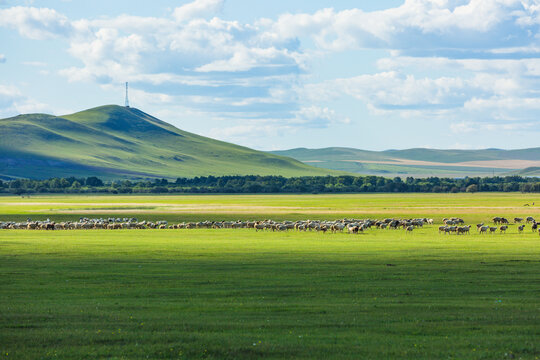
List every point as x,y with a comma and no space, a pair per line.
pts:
337,227
353,226
464,229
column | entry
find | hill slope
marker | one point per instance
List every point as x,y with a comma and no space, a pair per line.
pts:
113,142
419,162
530,171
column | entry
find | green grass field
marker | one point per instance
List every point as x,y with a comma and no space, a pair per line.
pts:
472,207
234,294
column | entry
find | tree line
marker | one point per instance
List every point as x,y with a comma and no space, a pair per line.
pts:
273,184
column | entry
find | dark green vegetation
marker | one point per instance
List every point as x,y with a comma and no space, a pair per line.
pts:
273,184
235,294
118,142
420,162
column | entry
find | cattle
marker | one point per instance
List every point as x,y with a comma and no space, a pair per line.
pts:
503,228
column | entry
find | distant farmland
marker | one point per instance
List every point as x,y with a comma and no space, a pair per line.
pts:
422,162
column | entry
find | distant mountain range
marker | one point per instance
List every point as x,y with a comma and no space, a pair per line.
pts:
422,162
119,142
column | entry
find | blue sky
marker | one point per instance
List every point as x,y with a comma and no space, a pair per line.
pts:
284,74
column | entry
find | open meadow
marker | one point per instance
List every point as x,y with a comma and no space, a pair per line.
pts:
238,293
473,208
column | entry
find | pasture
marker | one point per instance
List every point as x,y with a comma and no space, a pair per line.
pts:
233,294
473,208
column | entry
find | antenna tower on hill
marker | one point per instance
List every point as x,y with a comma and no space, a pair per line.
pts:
127,99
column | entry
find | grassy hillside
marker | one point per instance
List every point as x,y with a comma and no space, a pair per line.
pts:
417,162
530,171
113,141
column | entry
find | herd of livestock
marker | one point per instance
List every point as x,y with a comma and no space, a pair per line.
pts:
353,226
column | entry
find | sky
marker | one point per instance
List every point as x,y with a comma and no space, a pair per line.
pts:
274,75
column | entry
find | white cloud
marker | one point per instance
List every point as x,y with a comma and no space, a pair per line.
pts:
502,103
13,101
442,21
391,89
462,127
317,117
197,9
35,63
248,133
2,58
9,95
35,23
244,59
456,61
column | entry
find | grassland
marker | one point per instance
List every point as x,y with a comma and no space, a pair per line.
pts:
238,294
473,208
114,141
419,162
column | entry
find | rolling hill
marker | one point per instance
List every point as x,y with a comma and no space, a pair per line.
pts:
530,171
422,162
118,142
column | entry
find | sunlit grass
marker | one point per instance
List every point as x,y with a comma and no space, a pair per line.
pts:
473,207
241,294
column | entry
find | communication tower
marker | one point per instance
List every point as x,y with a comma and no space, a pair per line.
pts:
127,99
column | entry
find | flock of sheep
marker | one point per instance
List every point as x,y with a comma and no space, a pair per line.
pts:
353,226
484,229
451,226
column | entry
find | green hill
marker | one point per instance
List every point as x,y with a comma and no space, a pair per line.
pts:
419,162
530,171
118,142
